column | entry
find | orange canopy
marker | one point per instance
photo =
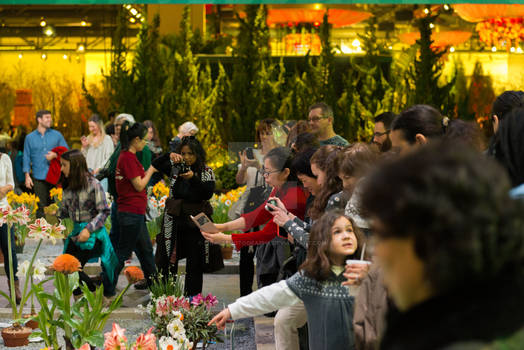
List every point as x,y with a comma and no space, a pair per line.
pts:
337,17
440,39
478,13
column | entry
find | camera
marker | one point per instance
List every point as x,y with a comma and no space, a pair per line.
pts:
249,153
273,202
182,167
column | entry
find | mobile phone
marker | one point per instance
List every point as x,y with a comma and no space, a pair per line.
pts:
271,201
249,153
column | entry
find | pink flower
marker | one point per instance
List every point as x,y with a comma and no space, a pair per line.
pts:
86,346
145,341
197,300
210,300
115,339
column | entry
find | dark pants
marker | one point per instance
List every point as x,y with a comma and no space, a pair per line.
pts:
194,269
83,256
134,237
42,188
5,251
246,270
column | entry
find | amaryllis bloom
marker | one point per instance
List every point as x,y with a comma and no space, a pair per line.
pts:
39,229
66,263
56,232
22,215
115,340
133,274
22,269
12,216
145,341
197,299
39,269
210,300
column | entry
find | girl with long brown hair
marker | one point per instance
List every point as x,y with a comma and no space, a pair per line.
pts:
318,284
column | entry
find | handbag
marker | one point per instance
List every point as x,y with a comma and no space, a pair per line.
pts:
258,194
213,260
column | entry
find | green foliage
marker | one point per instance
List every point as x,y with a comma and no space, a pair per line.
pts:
166,285
427,70
7,103
226,177
83,322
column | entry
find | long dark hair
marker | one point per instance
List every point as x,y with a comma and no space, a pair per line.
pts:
78,172
197,149
318,263
129,132
324,158
155,140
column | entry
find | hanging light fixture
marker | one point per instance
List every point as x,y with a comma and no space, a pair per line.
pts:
43,23
49,31
80,47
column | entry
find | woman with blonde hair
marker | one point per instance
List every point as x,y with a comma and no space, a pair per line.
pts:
97,147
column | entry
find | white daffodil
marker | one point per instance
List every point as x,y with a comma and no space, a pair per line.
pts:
22,269
176,328
39,270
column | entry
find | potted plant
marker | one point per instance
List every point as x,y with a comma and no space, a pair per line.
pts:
82,322
17,334
179,321
227,251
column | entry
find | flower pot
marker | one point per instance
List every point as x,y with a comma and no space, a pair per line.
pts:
33,324
16,336
227,252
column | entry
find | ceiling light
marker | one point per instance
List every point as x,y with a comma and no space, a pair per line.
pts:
64,57
446,7
493,49
426,10
132,20
133,11
127,6
138,15
431,25
49,31
452,49
80,47
44,56
317,6
512,49
356,43
83,23
43,23
519,50
20,56
390,47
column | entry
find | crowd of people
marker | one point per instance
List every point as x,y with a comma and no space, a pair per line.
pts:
414,240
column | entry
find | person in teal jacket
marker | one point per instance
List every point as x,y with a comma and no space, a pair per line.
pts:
84,202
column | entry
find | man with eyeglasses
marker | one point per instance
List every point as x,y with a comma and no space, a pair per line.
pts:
381,131
320,119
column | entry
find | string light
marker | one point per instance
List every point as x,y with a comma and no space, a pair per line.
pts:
83,23
431,25
80,47
426,11
20,56
43,23
493,49
44,56
49,31
452,49
132,20
356,43
512,49
64,57
519,50
446,7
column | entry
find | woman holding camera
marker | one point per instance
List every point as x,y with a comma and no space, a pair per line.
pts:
192,185
280,175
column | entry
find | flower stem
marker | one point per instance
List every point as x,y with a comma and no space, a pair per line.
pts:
11,275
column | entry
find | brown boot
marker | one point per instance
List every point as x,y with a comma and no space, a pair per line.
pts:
18,294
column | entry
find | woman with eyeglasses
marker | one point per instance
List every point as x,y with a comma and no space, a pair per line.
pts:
192,185
280,175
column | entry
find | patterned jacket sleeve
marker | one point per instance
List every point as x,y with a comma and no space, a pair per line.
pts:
100,207
299,230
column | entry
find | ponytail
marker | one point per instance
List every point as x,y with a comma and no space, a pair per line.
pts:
129,132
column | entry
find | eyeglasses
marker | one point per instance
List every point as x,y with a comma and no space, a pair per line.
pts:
315,119
264,172
378,134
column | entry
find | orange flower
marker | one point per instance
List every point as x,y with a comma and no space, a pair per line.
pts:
133,274
66,263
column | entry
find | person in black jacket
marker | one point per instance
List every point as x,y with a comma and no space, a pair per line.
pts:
192,185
